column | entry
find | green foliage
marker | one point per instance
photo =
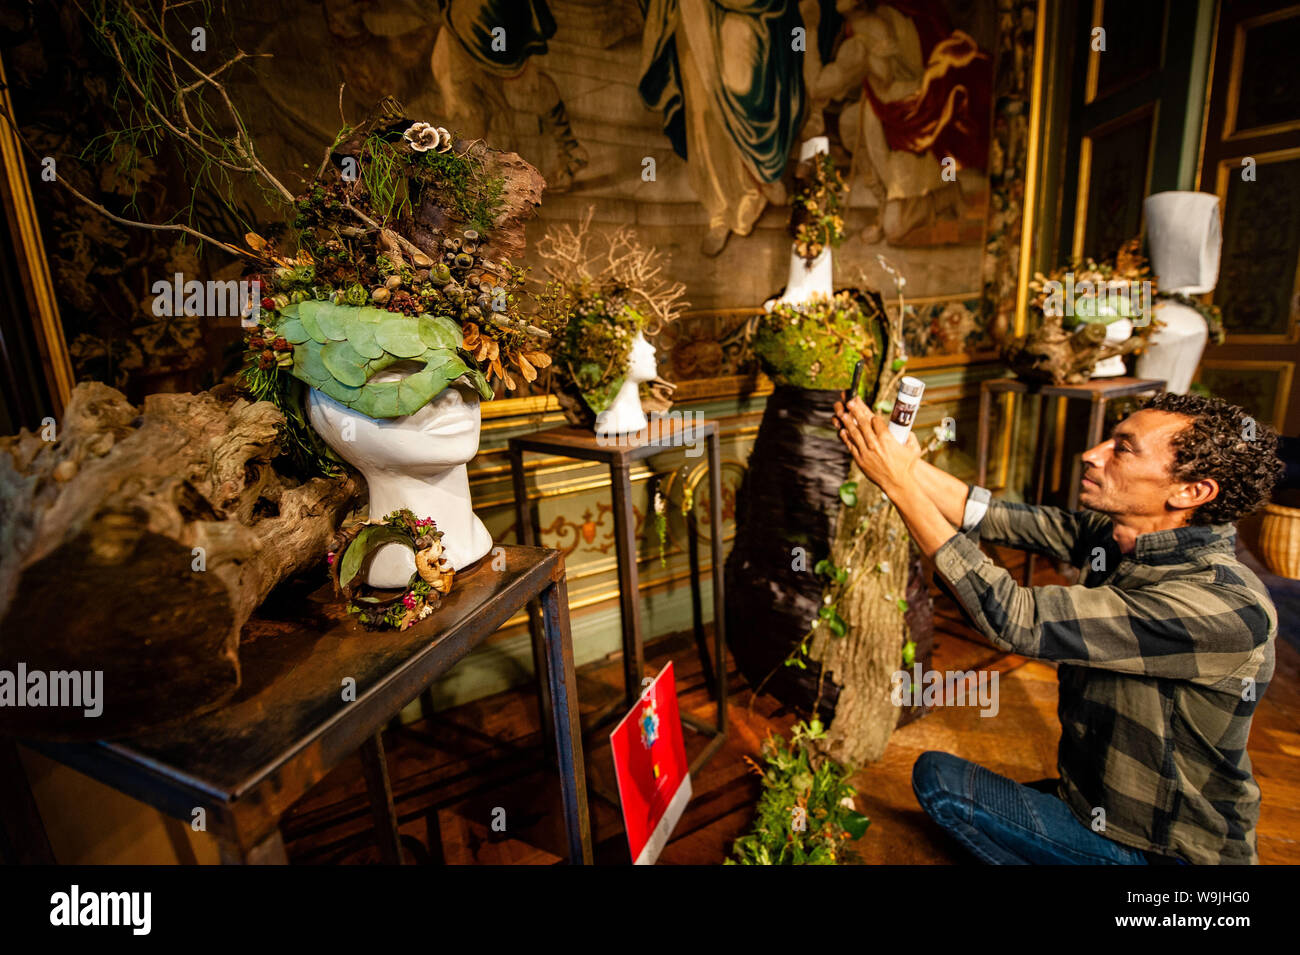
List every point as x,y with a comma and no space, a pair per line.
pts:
384,173
909,653
801,785
816,344
386,609
597,342
308,454
154,91
849,493
338,348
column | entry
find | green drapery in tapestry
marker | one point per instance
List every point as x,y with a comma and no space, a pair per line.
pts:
764,117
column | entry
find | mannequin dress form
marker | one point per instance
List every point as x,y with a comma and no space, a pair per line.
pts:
1184,238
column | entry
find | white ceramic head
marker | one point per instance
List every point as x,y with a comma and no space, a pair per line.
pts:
641,362
417,462
442,434
1184,237
625,414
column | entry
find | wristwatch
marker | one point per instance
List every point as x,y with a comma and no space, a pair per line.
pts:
977,505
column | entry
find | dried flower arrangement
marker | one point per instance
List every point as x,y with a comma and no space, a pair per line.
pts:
611,289
1075,303
428,585
815,219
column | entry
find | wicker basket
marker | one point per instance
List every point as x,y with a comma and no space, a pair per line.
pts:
1279,540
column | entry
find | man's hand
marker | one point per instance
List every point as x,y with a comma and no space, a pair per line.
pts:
899,471
882,459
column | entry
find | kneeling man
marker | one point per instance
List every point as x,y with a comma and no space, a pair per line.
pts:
1164,647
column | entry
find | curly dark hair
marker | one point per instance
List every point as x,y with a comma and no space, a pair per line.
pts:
1222,442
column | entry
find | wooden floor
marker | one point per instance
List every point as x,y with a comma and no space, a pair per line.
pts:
458,771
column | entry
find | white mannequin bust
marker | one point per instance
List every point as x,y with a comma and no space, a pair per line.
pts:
808,280
417,462
1184,238
625,414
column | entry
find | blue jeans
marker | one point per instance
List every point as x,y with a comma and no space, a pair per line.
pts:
1005,823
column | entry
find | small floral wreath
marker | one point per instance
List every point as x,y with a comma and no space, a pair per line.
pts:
380,609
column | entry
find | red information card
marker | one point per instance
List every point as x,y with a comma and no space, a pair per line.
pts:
650,763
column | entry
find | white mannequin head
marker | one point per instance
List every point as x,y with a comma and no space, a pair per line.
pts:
641,362
442,434
1184,237
416,461
624,413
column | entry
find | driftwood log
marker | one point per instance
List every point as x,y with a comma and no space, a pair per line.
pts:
871,542
1051,354
139,541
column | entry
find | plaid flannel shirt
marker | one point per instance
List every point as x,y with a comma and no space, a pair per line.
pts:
1163,654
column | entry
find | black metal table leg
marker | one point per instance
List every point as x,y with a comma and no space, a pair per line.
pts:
697,602
22,832
719,608
380,790
526,533
564,712
629,589
267,851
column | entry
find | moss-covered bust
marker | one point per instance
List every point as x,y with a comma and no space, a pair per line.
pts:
816,344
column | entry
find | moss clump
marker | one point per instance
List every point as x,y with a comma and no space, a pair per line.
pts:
462,185
597,342
816,344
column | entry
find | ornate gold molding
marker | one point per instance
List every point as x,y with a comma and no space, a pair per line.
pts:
32,264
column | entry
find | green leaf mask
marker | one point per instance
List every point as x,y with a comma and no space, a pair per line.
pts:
337,349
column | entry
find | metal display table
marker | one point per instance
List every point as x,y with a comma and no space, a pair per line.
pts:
289,724
620,454
1096,391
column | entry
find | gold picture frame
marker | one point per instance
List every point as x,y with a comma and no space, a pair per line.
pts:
1225,169
1091,92
1150,112
1285,371
1235,67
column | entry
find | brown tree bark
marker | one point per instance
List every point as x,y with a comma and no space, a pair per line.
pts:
871,542
139,542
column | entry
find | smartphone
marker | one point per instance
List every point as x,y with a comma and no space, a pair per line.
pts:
857,380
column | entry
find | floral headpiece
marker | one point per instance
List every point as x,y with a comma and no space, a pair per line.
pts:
610,290
403,242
